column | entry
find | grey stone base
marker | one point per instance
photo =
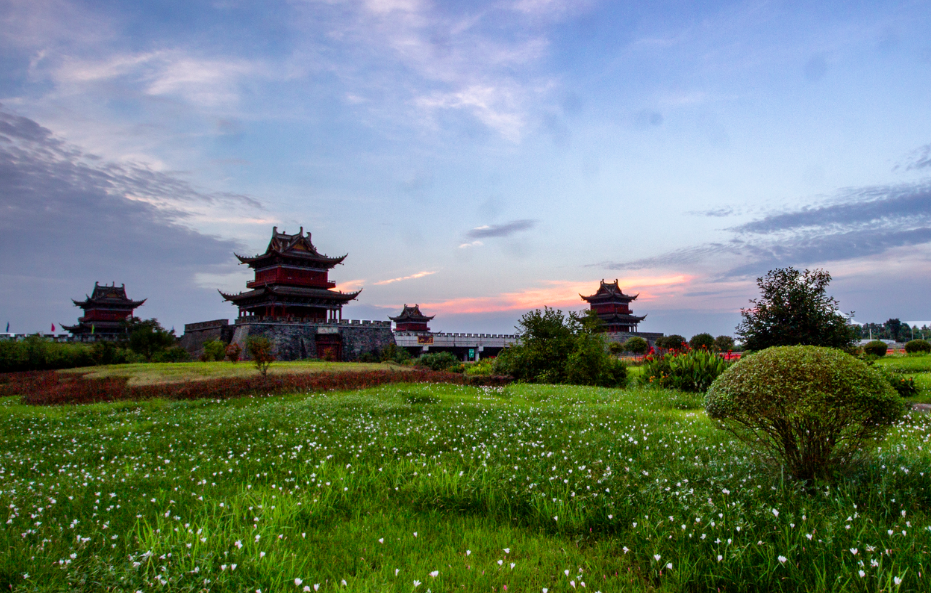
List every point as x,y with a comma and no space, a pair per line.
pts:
298,341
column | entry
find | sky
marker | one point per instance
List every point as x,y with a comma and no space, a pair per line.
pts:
480,159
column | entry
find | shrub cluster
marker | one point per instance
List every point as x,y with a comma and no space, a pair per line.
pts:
918,347
876,348
557,348
37,354
51,388
689,370
437,361
636,345
806,407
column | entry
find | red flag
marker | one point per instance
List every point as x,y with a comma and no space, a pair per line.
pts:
53,328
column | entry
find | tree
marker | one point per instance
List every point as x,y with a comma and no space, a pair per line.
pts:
724,343
671,342
700,341
894,329
260,350
148,337
547,338
636,345
558,348
794,309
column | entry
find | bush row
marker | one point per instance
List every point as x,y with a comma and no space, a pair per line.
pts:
51,388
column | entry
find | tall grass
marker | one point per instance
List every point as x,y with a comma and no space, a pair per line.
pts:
524,486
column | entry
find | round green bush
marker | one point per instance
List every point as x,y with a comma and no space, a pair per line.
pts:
673,342
806,407
876,348
702,341
636,345
918,346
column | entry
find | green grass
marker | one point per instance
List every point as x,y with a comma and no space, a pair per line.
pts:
156,373
380,488
916,366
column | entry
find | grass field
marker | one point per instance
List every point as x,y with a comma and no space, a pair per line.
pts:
442,488
155,373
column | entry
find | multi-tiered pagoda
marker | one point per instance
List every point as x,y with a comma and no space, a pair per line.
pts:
411,320
291,283
613,308
105,314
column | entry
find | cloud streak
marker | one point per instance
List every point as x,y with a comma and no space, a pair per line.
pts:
403,278
858,223
507,229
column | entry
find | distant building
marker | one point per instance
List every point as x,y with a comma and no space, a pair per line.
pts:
613,308
291,283
411,320
105,313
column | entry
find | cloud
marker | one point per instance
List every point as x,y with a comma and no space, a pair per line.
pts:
206,82
921,159
438,59
411,277
500,230
857,223
715,212
556,293
68,219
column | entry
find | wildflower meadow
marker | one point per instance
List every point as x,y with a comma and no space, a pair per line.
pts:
441,487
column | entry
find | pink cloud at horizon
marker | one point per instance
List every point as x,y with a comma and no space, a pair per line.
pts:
556,293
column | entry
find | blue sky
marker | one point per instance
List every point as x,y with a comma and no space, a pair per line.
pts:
478,158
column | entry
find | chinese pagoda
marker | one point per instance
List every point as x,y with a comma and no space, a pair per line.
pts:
613,308
291,283
105,312
411,320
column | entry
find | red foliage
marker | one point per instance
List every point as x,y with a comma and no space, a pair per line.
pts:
51,388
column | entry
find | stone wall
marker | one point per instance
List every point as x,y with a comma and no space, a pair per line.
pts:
195,334
297,341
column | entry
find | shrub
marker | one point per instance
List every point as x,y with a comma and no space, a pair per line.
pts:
173,354
591,364
700,341
482,368
391,353
724,344
673,342
876,348
233,352
807,407
918,346
213,350
687,371
615,348
636,345
437,361
262,354
36,353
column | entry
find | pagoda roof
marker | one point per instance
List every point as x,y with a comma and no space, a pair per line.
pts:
609,292
622,318
108,296
291,292
296,248
411,314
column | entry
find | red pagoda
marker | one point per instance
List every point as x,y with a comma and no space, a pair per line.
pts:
105,312
613,308
411,320
291,282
